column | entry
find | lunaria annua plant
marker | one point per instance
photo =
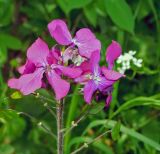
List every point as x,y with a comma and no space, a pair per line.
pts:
77,62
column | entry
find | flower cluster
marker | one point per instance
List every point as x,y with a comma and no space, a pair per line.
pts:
126,60
78,59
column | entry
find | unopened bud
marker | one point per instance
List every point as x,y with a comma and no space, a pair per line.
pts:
85,145
74,124
37,95
40,124
45,105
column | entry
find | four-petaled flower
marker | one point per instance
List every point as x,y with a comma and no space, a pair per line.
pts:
85,40
100,79
40,61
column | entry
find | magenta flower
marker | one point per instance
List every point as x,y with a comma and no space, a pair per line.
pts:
100,79
40,61
85,40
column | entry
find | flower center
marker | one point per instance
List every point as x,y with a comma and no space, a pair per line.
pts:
96,78
48,68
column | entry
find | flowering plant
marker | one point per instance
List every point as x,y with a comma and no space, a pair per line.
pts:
77,61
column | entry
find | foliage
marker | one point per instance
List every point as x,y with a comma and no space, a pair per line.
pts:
136,99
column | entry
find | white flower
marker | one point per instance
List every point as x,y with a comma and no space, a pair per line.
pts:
126,60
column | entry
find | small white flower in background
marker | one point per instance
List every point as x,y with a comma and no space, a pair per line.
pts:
126,60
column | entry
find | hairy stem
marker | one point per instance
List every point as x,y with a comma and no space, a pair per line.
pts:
60,106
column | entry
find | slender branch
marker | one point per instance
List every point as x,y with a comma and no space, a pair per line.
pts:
37,95
47,130
85,145
74,124
42,99
40,124
60,137
49,109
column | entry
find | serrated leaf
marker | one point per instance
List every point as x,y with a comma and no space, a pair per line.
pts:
16,95
121,14
115,131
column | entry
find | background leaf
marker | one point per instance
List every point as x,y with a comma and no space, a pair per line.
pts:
121,14
115,131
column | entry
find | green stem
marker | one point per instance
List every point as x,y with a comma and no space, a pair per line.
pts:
71,116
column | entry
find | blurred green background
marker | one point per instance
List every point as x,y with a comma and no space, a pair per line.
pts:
135,25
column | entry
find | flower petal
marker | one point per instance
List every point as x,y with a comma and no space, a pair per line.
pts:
86,42
27,83
108,100
60,86
104,84
94,60
13,83
59,31
89,89
53,56
27,68
111,74
38,52
113,52
71,72
85,66
82,79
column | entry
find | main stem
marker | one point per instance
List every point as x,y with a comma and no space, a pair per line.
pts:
60,106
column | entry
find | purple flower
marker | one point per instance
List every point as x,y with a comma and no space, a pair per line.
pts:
113,52
85,40
40,61
100,79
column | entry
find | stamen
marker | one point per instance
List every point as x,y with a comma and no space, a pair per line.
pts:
48,68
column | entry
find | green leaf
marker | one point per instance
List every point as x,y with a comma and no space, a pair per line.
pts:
10,41
71,115
99,145
3,53
16,95
79,140
6,12
103,147
125,130
6,149
12,126
121,14
115,131
96,108
139,101
68,5
91,14
136,135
